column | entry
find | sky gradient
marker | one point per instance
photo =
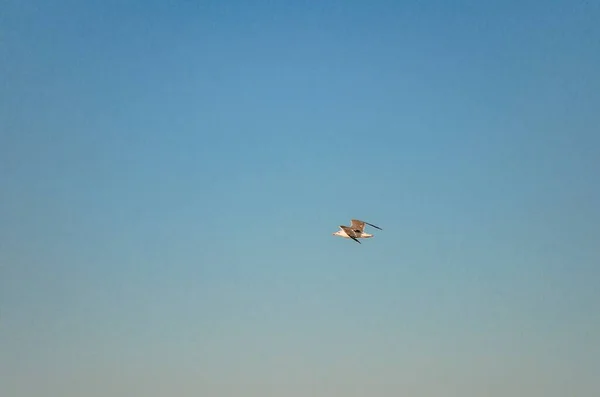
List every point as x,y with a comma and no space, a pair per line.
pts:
171,174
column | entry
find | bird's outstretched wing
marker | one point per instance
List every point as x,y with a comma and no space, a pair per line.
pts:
359,226
351,233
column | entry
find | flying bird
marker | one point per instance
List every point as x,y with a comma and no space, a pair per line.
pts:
355,230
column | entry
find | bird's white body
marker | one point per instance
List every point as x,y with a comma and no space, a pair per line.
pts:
355,230
342,233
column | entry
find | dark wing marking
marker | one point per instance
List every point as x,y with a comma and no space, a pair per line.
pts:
376,227
355,239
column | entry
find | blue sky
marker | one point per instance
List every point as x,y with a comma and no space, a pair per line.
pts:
171,174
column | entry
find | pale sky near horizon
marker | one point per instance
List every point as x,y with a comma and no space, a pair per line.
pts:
171,174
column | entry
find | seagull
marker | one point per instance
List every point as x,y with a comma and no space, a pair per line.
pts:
355,230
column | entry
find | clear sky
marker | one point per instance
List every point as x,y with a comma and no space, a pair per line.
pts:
171,174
